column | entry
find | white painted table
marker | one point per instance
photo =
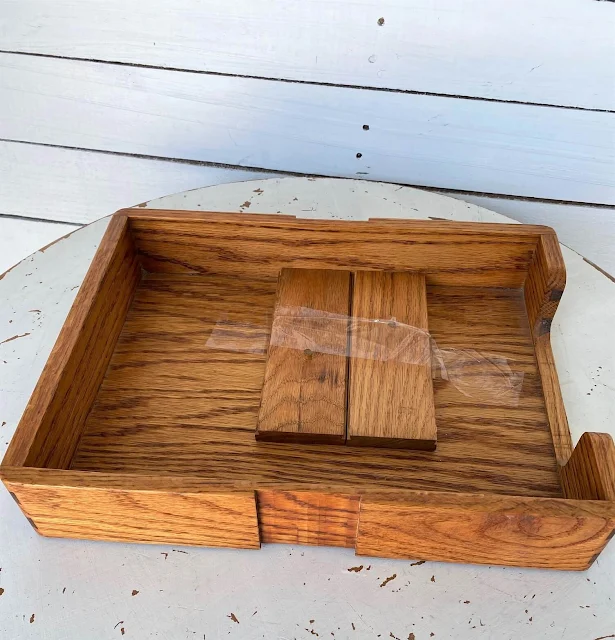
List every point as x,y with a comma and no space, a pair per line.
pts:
68,589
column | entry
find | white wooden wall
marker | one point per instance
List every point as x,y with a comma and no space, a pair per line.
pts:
106,103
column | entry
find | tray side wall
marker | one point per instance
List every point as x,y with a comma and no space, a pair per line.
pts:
258,246
590,472
308,517
49,431
509,531
453,527
173,515
543,290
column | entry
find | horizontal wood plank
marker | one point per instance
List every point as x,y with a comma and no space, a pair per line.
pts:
506,530
210,519
81,186
499,254
438,47
423,140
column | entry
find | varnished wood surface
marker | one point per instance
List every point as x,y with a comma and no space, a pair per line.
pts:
308,517
191,355
390,400
543,290
508,530
169,443
247,245
210,519
555,534
590,472
52,423
304,389
165,403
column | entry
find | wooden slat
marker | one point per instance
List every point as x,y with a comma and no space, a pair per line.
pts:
434,47
210,519
590,472
53,421
304,391
543,290
506,530
500,148
390,401
82,186
308,517
231,246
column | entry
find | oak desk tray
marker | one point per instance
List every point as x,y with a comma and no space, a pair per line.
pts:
142,429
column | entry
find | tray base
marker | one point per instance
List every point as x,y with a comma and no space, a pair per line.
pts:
172,404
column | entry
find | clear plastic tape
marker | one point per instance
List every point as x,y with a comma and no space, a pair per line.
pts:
482,376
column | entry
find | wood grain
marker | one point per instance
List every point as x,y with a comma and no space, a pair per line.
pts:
390,401
590,472
167,451
304,390
308,517
54,419
210,519
191,355
543,290
169,404
501,530
249,246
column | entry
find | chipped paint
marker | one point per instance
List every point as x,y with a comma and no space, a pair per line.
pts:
387,580
23,335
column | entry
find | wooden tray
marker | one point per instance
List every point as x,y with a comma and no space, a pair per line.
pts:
140,431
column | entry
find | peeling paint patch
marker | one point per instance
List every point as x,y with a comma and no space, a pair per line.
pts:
387,580
31,618
134,592
356,569
23,335
233,617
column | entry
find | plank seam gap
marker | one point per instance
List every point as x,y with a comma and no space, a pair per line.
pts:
13,216
306,82
281,172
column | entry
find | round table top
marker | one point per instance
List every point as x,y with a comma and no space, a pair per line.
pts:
56,588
